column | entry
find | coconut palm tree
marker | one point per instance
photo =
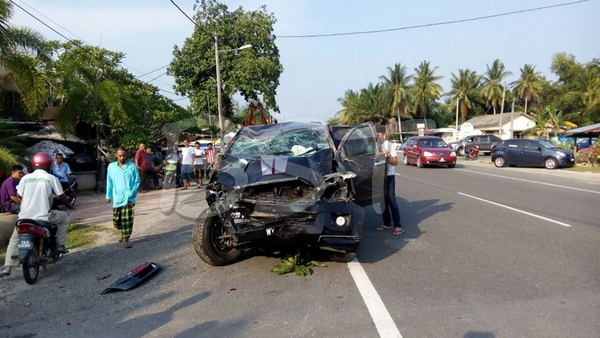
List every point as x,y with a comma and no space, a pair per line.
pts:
529,84
493,83
21,54
465,89
426,89
397,84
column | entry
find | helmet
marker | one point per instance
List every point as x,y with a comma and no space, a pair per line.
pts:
41,161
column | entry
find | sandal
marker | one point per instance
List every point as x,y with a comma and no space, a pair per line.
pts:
383,227
126,244
397,231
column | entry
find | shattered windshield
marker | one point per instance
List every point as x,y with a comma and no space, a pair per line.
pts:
300,142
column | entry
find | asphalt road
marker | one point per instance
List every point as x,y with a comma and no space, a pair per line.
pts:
487,252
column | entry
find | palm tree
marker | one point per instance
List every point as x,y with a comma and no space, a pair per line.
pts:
426,89
529,84
350,112
21,53
465,89
397,83
493,83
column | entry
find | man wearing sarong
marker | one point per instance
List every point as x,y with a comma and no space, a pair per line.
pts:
122,182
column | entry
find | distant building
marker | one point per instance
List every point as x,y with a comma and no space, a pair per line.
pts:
518,122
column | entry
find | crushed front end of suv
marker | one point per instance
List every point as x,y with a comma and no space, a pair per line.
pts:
290,183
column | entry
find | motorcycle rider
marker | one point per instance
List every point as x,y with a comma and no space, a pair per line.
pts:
36,193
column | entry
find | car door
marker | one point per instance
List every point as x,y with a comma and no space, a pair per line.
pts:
512,151
359,153
484,143
532,153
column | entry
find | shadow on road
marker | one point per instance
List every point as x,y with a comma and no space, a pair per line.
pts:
378,245
479,334
215,328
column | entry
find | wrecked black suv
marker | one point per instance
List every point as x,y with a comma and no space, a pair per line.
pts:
300,183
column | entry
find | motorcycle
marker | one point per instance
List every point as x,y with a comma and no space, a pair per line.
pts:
472,153
170,176
70,191
37,247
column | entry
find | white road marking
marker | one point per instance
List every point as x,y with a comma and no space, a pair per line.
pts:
531,181
381,317
517,210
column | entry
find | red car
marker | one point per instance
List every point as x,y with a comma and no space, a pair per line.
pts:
428,150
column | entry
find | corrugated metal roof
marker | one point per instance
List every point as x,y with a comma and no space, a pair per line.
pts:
493,120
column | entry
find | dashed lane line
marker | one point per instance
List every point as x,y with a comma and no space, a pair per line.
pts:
515,209
381,317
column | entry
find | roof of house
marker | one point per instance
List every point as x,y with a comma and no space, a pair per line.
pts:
591,130
493,120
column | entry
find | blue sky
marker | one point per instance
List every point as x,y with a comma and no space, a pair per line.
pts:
318,71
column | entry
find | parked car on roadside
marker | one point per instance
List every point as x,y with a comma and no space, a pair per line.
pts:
532,153
428,150
485,143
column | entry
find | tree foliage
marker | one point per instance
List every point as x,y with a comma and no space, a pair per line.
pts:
253,73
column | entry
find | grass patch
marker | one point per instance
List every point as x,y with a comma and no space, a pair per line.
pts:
582,169
83,236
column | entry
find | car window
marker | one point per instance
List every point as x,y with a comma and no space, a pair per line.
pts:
433,143
512,143
530,145
360,142
484,139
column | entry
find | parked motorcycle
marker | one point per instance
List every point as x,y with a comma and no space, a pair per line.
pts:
37,247
70,192
472,153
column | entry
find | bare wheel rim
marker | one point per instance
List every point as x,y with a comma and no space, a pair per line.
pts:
499,162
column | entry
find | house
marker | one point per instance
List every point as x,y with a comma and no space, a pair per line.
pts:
9,98
518,122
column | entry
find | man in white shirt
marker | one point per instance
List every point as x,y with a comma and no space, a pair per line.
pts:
188,154
36,191
391,214
198,164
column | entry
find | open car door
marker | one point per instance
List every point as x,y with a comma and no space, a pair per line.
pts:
359,153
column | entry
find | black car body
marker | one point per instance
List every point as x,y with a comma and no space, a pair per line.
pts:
485,143
531,153
291,182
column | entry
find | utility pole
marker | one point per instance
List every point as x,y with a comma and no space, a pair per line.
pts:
456,127
512,115
501,112
219,107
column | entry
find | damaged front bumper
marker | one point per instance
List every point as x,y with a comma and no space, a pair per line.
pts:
334,226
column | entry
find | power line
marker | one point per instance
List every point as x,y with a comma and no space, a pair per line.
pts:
155,70
428,24
79,44
156,77
54,22
184,13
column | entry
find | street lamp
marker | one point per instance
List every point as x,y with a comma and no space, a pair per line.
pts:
219,104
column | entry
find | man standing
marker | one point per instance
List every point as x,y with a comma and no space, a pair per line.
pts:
9,199
211,155
145,167
188,154
36,193
392,211
122,182
198,164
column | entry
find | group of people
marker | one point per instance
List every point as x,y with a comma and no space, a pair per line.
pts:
194,162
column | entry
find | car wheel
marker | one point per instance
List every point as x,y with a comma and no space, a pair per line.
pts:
452,165
212,241
405,159
499,162
460,151
419,164
550,163
342,257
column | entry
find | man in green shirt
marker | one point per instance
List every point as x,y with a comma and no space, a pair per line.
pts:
122,183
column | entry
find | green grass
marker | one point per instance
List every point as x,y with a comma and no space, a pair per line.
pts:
84,236
580,168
